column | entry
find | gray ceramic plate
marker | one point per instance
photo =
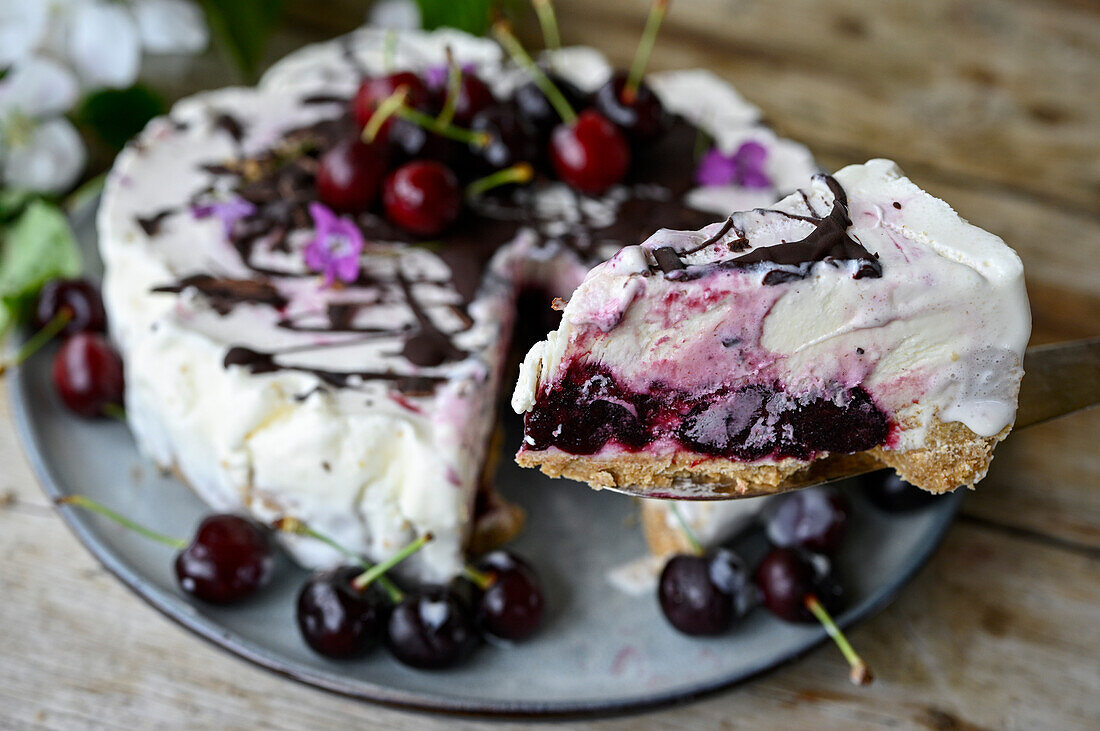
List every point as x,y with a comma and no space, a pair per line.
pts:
600,651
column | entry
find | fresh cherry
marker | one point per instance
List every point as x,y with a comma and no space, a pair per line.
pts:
431,629
87,373
473,97
512,138
336,618
373,91
409,141
590,154
786,577
537,109
229,558
814,518
349,175
422,197
703,595
887,491
643,119
511,605
77,297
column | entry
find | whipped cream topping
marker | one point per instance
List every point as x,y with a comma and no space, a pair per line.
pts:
276,408
934,321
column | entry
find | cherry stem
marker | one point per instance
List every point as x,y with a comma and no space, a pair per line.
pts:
511,44
481,579
548,21
389,106
861,673
294,526
454,88
389,50
363,580
645,48
519,173
469,136
114,411
39,339
689,534
80,501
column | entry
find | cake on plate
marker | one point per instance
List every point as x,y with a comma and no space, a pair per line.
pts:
859,319
290,357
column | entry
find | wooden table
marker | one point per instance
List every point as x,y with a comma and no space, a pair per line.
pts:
993,106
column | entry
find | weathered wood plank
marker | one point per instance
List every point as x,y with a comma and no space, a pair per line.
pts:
998,631
998,92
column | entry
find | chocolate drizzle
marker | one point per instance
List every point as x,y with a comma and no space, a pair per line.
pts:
151,224
829,242
280,184
225,294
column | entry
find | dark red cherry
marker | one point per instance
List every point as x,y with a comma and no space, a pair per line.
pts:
512,138
887,491
815,518
643,120
431,629
536,108
87,373
703,595
590,154
422,197
375,90
409,141
229,558
787,576
512,606
350,174
338,620
473,97
78,297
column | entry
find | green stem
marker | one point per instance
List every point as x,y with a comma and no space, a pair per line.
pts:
454,88
390,105
88,504
479,578
299,528
551,38
519,173
692,539
39,339
645,48
861,673
469,136
363,580
512,45
114,411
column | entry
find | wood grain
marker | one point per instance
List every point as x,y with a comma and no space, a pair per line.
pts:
990,105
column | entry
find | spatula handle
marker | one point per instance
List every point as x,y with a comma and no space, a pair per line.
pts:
1059,379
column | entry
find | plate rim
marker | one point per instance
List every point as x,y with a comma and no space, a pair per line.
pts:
168,605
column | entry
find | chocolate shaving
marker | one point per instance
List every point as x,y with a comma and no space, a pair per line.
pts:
668,260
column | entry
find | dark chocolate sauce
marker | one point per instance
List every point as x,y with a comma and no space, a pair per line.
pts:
828,242
151,224
281,185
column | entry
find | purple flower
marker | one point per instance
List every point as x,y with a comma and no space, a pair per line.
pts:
228,212
745,167
336,246
436,76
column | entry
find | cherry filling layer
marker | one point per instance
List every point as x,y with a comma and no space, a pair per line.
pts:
587,410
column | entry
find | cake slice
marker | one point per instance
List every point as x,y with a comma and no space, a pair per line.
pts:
860,319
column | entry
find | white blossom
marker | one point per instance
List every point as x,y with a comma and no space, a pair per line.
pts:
52,52
47,158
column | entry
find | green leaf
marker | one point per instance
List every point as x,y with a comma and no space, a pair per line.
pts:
241,28
12,201
37,247
471,16
116,115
